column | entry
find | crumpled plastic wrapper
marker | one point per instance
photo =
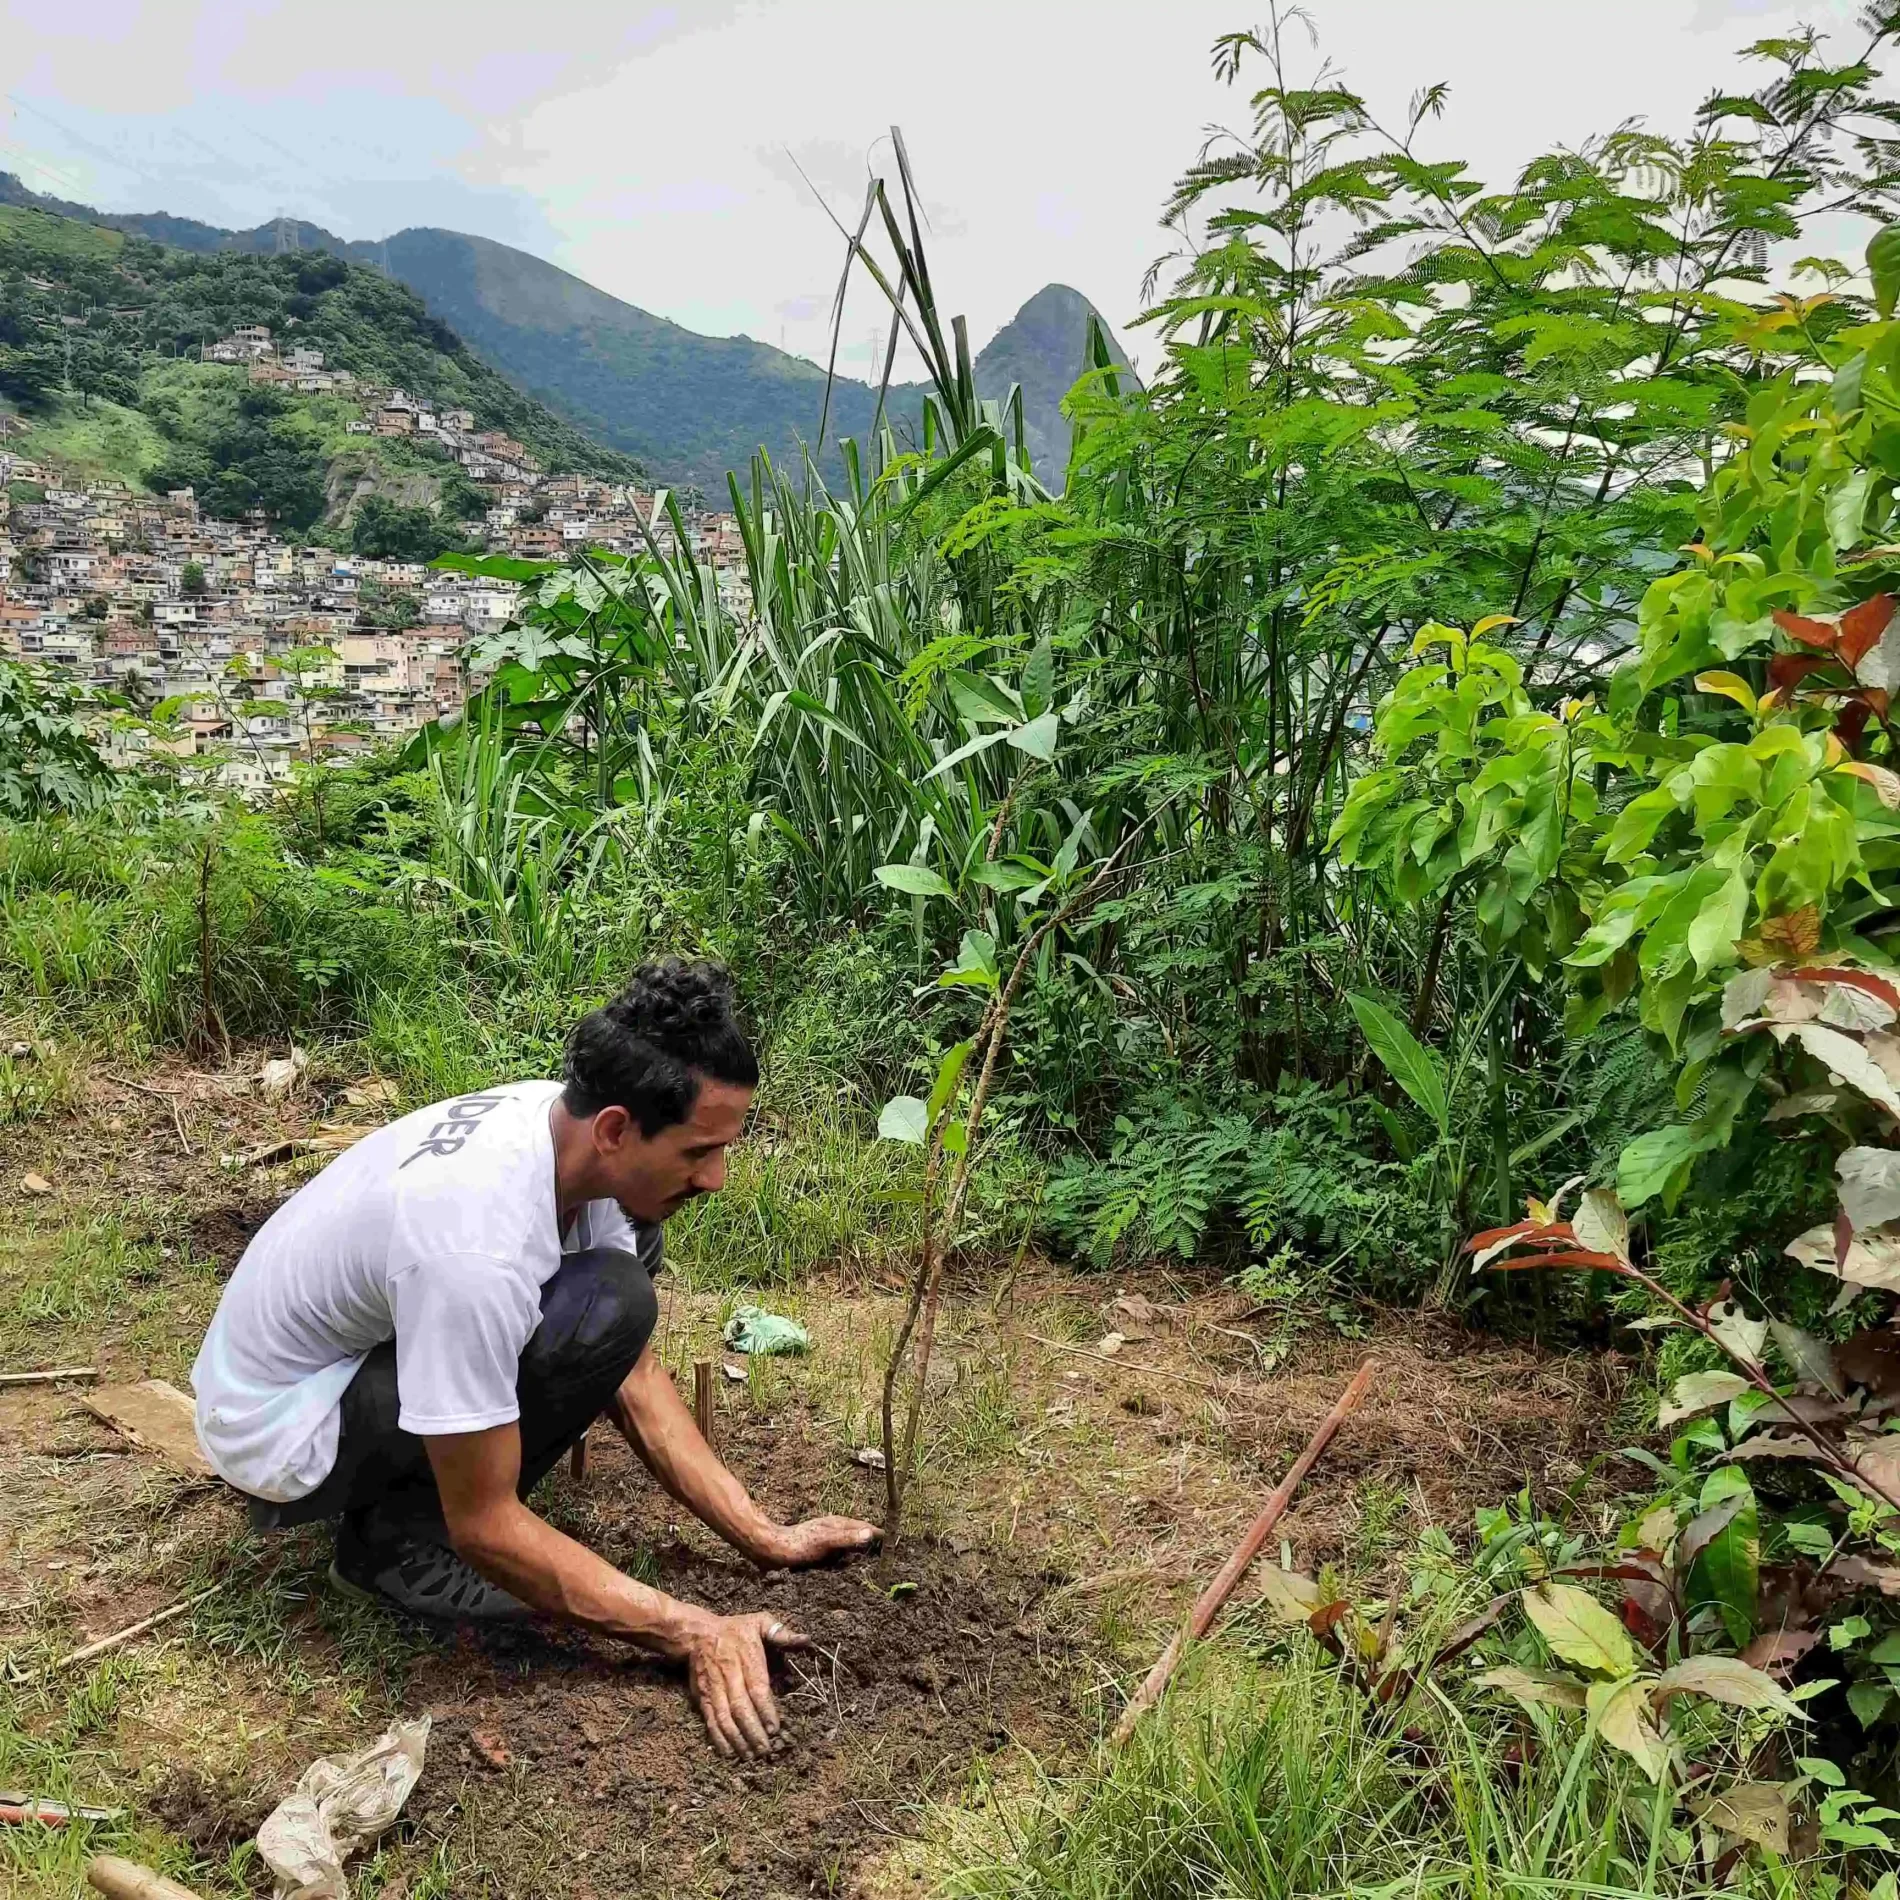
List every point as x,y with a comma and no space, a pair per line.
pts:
340,1802
753,1329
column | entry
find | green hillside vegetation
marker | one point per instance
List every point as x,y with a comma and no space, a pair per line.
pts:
94,440
699,405
98,336
689,407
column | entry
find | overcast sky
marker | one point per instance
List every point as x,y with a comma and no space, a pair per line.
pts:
656,151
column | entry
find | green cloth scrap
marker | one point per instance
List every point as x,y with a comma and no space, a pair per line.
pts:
753,1329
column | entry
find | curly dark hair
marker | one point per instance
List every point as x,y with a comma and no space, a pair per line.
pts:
649,1049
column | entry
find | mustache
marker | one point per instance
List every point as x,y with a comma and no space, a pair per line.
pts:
673,1202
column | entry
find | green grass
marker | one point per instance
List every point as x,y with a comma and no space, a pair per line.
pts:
64,236
96,441
58,1747
62,1286
43,1082
1269,1782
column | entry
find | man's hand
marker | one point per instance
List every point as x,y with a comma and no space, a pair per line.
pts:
725,1669
650,1414
815,1541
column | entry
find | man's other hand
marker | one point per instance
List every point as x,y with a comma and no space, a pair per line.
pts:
815,1541
731,1686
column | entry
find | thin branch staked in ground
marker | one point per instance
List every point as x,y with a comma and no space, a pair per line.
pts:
1214,1598
120,1637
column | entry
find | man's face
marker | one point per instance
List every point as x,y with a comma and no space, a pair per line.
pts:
654,1179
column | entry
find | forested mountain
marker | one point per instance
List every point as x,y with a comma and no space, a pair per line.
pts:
691,406
688,407
99,338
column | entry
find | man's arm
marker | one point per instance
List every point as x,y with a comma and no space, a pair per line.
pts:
650,1414
490,1528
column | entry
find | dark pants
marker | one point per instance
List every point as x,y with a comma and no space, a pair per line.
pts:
597,1314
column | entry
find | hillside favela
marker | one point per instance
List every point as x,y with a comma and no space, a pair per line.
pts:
274,649
188,500
950,953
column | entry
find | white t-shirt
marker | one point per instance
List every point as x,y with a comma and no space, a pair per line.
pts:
437,1231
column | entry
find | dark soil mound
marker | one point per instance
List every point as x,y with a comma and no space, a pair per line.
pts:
898,1696
924,1661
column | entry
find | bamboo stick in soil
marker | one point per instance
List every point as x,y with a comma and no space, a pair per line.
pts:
1209,1604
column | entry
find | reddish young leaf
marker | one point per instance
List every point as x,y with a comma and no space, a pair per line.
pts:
1878,699
1324,1622
1639,1619
1576,1257
1851,721
1786,669
1811,633
1395,1682
1637,1566
1459,1640
1863,625
1478,1242
1854,979
1776,1652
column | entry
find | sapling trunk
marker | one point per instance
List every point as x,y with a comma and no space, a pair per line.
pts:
209,1020
939,1230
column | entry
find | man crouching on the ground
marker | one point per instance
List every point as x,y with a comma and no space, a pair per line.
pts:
412,1341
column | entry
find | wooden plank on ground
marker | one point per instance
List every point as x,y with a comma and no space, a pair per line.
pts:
156,1417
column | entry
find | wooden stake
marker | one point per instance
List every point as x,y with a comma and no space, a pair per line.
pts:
703,1398
127,1880
577,1460
1210,1602
49,1378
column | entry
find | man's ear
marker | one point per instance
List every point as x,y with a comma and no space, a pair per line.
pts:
612,1128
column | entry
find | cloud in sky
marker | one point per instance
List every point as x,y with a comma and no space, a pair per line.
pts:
658,153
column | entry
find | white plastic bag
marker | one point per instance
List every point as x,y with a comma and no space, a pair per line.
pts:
340,1802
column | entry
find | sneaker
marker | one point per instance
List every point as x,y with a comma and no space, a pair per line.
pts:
424,1579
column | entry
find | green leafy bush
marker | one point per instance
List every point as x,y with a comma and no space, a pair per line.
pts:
48,759
1242,1178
